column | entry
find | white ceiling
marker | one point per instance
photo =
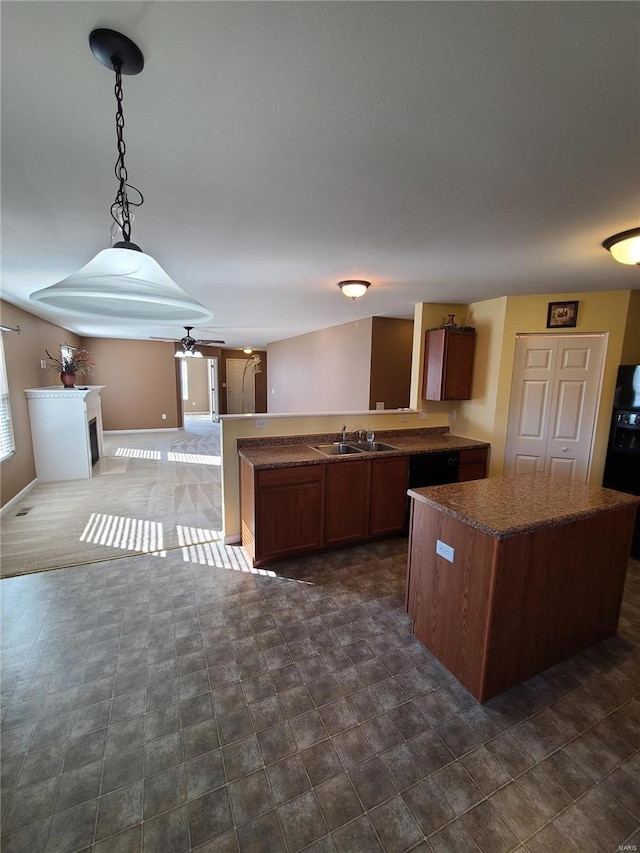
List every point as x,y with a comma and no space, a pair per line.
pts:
444,151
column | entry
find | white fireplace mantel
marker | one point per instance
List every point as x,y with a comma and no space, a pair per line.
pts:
60,432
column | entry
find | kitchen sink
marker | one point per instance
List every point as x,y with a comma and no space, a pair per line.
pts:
337,449
372,446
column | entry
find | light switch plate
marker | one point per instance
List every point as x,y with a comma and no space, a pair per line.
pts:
444,550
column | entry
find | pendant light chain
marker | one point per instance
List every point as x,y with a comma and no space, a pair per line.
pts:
120,207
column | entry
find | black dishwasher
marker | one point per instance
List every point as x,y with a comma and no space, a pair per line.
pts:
433,469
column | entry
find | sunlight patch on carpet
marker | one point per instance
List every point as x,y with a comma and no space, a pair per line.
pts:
195,458
137,453
130,534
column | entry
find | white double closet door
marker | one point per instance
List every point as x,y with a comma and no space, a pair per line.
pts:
554,400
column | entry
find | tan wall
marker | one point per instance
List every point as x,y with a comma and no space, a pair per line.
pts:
391,348
476,417
141,383
241,426
23,353
197,385
323,371
631,344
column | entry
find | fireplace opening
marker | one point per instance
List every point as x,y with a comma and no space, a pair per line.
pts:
93,440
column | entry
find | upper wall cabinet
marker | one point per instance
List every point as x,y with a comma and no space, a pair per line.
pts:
448,369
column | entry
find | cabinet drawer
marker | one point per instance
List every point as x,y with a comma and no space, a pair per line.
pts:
468,457
477,471
284,476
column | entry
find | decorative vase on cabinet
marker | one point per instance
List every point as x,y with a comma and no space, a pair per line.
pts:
448,368
68,380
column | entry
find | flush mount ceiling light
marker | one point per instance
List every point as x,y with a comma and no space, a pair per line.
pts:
247,350
354,287
625,246
122,281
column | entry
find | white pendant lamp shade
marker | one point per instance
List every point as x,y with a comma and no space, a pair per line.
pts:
625,247
123,283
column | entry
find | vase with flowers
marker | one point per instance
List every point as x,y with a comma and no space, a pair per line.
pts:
71,361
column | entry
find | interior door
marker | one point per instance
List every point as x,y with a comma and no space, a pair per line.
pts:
554,400
240,387
213,389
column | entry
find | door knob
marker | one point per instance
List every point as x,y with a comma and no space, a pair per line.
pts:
564,449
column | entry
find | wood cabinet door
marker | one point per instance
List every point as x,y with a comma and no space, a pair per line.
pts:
289,512
347,502
389,483
448,370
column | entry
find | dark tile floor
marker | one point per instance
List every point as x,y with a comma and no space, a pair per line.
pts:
163,704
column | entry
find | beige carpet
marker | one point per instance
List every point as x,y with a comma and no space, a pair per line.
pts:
151,492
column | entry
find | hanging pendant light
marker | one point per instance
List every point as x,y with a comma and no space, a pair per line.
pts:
122,282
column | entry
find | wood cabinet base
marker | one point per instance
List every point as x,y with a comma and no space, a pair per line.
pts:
507,609
295,510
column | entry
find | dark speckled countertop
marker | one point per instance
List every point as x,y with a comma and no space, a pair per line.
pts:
508,506
294,450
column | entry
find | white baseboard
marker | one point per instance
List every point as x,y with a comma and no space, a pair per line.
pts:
123,431
11,504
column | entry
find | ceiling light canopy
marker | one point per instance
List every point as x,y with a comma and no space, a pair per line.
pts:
354,287
122,282
625,246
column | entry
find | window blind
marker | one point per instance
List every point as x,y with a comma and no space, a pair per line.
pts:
7,445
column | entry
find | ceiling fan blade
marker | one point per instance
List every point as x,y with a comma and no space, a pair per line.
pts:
206,342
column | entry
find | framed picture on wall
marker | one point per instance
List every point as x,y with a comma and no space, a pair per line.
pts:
562,315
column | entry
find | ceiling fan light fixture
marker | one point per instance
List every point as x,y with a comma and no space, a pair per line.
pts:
122,282
625,246
354,287
188,347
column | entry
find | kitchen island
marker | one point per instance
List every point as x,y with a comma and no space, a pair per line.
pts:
511,575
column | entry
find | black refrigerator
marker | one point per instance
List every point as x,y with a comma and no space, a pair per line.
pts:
622,468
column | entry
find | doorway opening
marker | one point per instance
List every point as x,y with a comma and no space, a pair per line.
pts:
199,385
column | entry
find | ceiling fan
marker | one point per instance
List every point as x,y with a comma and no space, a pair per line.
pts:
188,344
